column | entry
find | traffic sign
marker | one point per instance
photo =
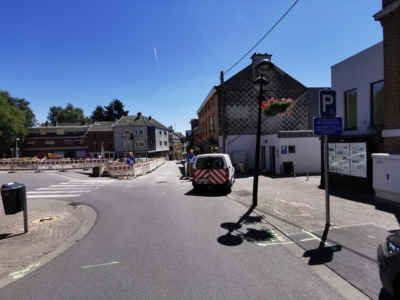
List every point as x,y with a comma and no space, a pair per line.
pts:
327,103
130,160
40,155
191,159
88,155
283,149
328,126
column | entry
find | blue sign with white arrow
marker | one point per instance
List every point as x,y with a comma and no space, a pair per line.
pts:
130,160
191,159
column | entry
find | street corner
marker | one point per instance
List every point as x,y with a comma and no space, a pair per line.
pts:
53,227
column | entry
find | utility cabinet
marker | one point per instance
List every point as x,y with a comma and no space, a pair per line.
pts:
386,177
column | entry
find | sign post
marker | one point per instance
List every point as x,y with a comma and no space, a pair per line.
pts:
326,125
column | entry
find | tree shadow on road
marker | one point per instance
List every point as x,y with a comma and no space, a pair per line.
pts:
235,235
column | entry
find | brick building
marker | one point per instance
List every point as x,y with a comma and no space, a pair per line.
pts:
389,18
208,123
101,139
69,140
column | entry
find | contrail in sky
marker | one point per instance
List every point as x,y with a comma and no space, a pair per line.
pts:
155,53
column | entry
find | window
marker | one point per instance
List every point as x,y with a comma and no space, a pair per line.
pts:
151,144
125,133
160,143
350,104
49,142
377,103
32,143
139,132
160,132
34,132
51,132
292,149
210,163
165,133
69,132
110,145
94,136
101,136
140,144
165,143
94,145
80,132
126,144
211,122
79,142
68,142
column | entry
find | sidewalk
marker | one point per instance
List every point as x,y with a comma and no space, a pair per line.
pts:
54,226
296,207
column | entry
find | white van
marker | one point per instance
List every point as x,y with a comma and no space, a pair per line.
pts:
213,170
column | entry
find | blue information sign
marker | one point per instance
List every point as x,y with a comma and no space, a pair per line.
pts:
130,160
191,159
328,126
283,149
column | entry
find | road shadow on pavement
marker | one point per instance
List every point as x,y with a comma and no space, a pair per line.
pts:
237,234
322,254
208,192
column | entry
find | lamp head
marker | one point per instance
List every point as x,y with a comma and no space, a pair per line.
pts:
265,66
259,82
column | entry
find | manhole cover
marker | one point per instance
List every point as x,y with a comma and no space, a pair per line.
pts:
45,220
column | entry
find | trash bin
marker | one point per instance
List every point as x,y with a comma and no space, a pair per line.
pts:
13,196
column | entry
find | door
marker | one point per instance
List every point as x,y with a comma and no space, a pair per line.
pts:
263,158
272,159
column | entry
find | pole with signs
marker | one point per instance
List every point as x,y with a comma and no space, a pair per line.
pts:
327,124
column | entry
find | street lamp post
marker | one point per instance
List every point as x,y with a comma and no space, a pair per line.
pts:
263,67
16,147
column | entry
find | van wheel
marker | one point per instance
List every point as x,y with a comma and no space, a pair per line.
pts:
195,186
396,287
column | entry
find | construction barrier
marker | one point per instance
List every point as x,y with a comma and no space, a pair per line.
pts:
116,169
120,170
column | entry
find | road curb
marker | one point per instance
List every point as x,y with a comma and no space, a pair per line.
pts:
90,219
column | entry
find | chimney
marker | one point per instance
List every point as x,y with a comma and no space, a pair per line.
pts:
139,114
150,118
47,123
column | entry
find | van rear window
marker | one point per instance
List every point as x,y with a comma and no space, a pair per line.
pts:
210,163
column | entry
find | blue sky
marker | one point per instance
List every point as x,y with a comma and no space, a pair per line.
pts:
162,57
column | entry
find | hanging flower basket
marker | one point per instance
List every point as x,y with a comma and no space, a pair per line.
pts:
269,113
275,106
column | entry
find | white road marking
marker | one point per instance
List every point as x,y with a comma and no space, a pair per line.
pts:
57,191
53,196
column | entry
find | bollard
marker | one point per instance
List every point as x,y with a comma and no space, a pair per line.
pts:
12,168
294,169
307,170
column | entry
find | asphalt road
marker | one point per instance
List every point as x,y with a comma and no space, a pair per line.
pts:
155,238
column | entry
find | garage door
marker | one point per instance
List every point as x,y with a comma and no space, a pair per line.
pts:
80,154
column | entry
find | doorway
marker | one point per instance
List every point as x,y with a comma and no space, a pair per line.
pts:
272,159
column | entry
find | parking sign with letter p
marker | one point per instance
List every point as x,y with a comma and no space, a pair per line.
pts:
327,103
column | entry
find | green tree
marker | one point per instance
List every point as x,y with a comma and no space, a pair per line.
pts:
54,112
69,114
12,124
23,105
115,110
98,114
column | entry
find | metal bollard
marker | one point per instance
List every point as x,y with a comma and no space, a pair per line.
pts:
294,170
307,170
